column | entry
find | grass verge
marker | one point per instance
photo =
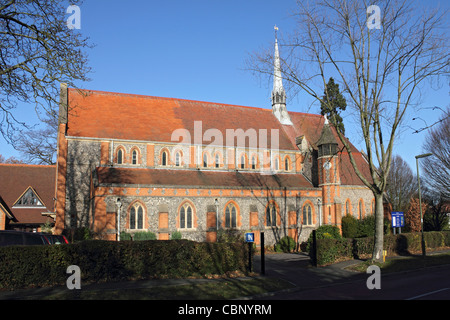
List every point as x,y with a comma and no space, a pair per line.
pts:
405,263
214,290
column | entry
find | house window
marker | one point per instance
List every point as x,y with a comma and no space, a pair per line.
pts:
29,199
134,155
271,215
120,156
307,215
164,158
136,217
347,207
186,216
230,216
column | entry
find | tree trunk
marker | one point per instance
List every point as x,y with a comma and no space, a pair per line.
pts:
377,254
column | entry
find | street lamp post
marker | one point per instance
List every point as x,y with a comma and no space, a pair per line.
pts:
420,198
216,203
319,202
119,206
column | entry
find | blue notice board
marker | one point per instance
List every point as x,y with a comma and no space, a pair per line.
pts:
249,237
398,219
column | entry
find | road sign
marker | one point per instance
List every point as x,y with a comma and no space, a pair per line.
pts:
249,237
398,219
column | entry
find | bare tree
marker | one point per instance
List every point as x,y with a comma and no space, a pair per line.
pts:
10,160
437,168
38,51
38,145
380,70
401,184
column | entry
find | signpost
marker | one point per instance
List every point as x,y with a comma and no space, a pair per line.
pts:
397,220
250,238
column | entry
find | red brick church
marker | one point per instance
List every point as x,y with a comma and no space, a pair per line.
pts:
133,163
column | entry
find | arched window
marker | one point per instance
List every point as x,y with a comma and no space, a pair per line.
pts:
120,156
254,162
164,158
277,164
177,159
286,163
217,160
242,162
136,217
347,207
307,215
271,215
230,216
186,215
205,160
134,157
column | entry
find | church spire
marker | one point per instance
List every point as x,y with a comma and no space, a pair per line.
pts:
278,93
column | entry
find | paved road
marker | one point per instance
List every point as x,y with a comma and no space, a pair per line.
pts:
334,282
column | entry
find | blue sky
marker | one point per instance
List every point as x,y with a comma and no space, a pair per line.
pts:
196,50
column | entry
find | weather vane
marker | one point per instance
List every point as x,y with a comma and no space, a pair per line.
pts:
276,29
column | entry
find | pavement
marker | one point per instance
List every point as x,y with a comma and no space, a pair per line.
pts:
281,265
294,268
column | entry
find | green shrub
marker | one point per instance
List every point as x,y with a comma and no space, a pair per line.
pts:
100,261
138,236
176,235
229,236
286,244
366,226
323,232
144,235
332,250
349,227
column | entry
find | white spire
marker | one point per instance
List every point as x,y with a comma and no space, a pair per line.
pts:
278,93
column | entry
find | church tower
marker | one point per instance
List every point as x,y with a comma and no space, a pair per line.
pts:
329,176
278,93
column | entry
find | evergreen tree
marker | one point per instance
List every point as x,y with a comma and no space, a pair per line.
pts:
332,103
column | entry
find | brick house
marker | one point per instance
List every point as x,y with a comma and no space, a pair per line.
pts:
26,196
129,163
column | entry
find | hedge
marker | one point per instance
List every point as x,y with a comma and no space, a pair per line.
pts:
101,261
332,250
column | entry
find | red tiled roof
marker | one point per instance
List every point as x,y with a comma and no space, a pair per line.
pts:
347,173
16,178
110,115
30,216
135,117
199,178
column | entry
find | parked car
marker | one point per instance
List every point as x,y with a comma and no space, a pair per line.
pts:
12,238
56,239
